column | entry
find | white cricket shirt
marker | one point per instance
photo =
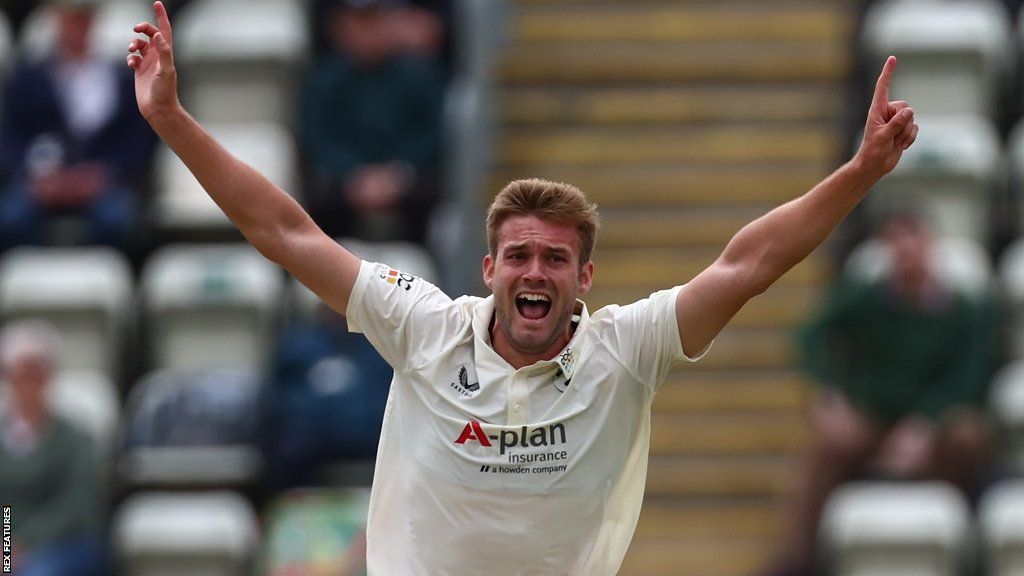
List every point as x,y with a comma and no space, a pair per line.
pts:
484,469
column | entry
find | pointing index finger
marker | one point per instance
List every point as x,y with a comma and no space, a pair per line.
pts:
162,21
881,98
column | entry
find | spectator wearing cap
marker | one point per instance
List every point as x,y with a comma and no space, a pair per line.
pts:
73,148
48,474
371,128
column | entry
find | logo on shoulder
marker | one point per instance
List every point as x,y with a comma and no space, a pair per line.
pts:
463,385
394,277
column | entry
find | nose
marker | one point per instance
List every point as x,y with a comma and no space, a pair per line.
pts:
535,271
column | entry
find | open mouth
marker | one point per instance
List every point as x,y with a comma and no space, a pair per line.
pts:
533,306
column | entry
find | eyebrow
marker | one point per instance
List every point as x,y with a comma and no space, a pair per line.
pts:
524,245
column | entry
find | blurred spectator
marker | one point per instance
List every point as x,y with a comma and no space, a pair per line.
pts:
330,388
904,363
422,26
48,475
73,147
371,129
17,11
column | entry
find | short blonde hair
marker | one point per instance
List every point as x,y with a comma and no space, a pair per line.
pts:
552,201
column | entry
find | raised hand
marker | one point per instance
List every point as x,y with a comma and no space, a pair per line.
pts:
890,127
156,81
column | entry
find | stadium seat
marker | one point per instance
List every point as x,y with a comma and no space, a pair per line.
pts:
110,33
316,531
6,43
86,293
89,400
955,56
192,429
405,256
883,528
1006,402
961,262
950,174
210,305
1011,278
240,59
200,534
181,204
1001,528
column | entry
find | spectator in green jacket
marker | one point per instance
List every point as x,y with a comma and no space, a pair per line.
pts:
904,363
48,476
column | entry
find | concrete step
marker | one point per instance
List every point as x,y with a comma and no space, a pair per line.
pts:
743,434
737,518
733,392
657,268
702,557
602,63
679,22
525,149
669,104
728,476
661,186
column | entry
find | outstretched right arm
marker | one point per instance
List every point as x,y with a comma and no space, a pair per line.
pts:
271,220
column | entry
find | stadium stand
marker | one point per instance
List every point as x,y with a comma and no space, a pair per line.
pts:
1007,407
1001,528
1011,277
683,121
195,428
961,262
873,528
181,208
954,56
6,43
951,175
240,59
90,401
204,534
210,305
86,293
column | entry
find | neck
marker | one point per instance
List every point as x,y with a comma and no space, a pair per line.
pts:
518,358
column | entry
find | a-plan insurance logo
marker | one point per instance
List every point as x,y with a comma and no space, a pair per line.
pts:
529,449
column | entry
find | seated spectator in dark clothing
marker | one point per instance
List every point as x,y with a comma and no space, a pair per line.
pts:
73,148
327,403
371,130
419,27
904,363
48,473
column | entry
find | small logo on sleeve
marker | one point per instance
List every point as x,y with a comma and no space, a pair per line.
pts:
395,277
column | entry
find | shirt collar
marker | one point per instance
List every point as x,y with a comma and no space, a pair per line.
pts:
565,360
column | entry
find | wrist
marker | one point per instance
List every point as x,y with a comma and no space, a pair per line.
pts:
164,119
861,173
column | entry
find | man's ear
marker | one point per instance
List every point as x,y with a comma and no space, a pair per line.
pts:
488,270
586,277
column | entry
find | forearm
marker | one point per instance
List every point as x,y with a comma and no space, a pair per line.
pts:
262,211
771,245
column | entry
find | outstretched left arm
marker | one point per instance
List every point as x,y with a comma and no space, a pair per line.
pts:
768,247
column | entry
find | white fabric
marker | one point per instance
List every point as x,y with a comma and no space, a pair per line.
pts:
483,469
88,95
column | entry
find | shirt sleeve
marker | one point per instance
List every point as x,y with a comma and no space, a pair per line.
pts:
407,319
646,336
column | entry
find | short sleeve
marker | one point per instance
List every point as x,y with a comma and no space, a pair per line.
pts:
407,319
646,336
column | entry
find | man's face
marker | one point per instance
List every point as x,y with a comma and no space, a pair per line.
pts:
536,278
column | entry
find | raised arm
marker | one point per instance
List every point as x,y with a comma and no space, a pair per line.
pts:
768,247
271,220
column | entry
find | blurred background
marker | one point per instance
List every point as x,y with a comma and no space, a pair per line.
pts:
174,404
